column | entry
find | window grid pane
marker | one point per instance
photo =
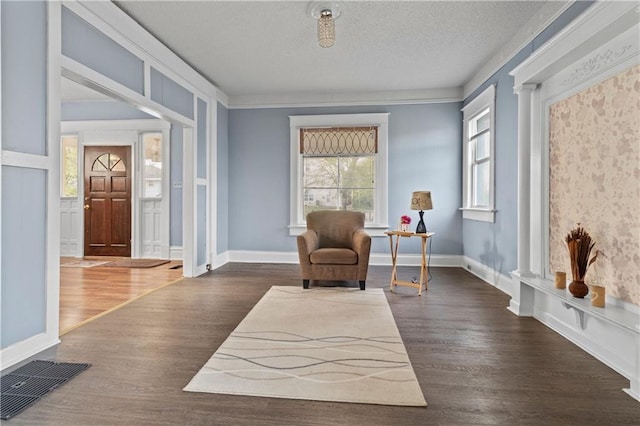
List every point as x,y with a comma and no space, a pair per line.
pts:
481,184
480,123
69,166
152,165
482,146
340,183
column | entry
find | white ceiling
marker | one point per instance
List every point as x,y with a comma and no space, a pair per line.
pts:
265,51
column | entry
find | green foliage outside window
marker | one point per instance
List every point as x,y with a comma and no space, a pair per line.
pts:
69,166
340,183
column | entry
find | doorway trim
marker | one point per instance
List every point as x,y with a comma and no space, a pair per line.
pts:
124,133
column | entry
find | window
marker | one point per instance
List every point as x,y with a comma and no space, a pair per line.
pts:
152,165
69,166
478,156
339,162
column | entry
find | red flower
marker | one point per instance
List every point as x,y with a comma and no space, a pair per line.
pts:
405,219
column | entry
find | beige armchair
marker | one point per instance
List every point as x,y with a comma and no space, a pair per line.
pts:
334,247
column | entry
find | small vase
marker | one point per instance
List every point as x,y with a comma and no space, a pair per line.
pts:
578,289
404,227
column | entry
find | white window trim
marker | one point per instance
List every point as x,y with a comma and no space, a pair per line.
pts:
297,223
486,99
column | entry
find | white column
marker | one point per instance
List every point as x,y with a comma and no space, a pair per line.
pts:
524,178
522,295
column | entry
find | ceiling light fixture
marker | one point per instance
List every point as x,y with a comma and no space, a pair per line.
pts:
326,14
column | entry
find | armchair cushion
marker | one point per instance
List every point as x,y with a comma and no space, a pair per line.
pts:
336,256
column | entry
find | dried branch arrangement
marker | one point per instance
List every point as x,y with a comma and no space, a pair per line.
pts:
580,244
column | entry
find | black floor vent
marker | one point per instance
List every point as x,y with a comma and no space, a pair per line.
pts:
32,381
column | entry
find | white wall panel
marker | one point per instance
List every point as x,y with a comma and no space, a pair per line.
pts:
69,230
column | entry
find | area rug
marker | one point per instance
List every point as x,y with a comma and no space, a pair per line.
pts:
83,263
326,344
136,263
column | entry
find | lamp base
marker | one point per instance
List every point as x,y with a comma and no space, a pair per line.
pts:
421,228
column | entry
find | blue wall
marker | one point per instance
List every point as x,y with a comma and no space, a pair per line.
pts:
23,275
24,78
170,94
87,45
425,153
495,244
103,110
222,159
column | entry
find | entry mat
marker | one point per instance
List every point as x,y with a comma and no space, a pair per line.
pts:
32,381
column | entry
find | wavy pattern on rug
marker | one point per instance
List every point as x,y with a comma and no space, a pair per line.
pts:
328,344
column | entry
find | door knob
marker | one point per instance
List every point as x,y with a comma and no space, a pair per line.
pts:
87,207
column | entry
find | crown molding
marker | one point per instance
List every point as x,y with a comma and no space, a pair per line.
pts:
538,22
403,97
604,35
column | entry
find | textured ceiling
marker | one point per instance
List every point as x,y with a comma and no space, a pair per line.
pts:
270,48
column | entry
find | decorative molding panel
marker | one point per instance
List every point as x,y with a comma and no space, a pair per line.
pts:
594,63
69,230
175,252
151,238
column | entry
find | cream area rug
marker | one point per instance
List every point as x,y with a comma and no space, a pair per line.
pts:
326,344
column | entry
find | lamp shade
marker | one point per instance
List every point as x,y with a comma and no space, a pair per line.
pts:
421,200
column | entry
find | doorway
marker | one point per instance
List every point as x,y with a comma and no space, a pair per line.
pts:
107,201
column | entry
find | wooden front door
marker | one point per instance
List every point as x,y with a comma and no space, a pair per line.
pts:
107,201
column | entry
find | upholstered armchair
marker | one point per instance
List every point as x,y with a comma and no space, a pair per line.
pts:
335,247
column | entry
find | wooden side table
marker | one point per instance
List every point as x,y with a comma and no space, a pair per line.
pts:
424,272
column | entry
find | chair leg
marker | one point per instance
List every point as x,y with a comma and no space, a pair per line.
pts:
305,283
362,285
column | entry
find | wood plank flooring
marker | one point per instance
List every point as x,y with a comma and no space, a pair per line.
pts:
86,293
476,362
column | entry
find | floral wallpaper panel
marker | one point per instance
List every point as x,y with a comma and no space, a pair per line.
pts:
594,154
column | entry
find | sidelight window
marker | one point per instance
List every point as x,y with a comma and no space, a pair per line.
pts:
69,166
152,165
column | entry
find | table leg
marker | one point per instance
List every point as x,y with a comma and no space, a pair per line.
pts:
394,260
423,268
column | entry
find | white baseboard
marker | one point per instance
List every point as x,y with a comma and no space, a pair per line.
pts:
220,260
175,252
490,276
255,256
22,350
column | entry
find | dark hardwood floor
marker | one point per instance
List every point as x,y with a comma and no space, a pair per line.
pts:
476,362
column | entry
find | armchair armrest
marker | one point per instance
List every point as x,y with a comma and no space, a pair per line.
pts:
361,242
362,246
307,242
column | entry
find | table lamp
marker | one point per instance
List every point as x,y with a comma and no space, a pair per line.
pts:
421,200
